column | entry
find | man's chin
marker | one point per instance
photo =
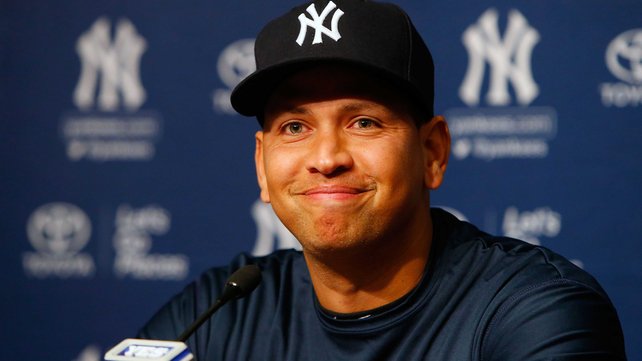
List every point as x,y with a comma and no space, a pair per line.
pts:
334,245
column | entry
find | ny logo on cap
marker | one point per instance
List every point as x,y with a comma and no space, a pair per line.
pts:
317,23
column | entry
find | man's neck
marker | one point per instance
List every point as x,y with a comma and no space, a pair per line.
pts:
354,281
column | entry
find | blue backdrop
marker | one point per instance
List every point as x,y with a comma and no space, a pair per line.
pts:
125,173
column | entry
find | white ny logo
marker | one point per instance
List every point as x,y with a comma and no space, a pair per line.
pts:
317,23
117,62
509,59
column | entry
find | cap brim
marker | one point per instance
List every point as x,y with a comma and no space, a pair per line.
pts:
251,94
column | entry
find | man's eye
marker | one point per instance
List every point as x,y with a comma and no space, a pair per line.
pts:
365,123
294,128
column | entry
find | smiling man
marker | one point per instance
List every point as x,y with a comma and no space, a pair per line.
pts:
348,168
347,154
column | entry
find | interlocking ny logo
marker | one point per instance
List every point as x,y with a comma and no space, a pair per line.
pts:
317,23
116,62
509,59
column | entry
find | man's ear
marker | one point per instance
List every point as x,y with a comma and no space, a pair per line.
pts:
435,141
260,167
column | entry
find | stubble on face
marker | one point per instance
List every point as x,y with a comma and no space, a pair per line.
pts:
375,187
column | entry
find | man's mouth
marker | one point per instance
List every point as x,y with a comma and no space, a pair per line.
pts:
334,192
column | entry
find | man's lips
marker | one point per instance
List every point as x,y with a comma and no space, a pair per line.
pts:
333,189
333,192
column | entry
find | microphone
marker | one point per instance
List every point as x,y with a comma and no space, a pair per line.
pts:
240,284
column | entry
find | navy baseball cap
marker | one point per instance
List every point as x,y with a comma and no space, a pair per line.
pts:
378,37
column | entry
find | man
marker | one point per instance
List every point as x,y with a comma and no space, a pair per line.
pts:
347,155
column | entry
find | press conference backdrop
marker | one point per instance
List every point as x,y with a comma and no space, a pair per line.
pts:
125,172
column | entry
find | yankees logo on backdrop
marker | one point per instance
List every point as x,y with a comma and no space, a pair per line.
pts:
501,131
118,63
509,59
109,124
316,23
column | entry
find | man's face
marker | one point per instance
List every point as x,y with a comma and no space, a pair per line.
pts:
341,161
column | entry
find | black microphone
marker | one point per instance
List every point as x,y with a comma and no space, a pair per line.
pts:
240,284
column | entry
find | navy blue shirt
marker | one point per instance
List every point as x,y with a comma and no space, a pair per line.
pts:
481,298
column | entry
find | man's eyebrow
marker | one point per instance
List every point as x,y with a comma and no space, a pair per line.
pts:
291,109
357,106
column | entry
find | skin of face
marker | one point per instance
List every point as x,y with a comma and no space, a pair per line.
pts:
348,171
346,167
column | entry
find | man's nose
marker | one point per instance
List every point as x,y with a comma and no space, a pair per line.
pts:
329,153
